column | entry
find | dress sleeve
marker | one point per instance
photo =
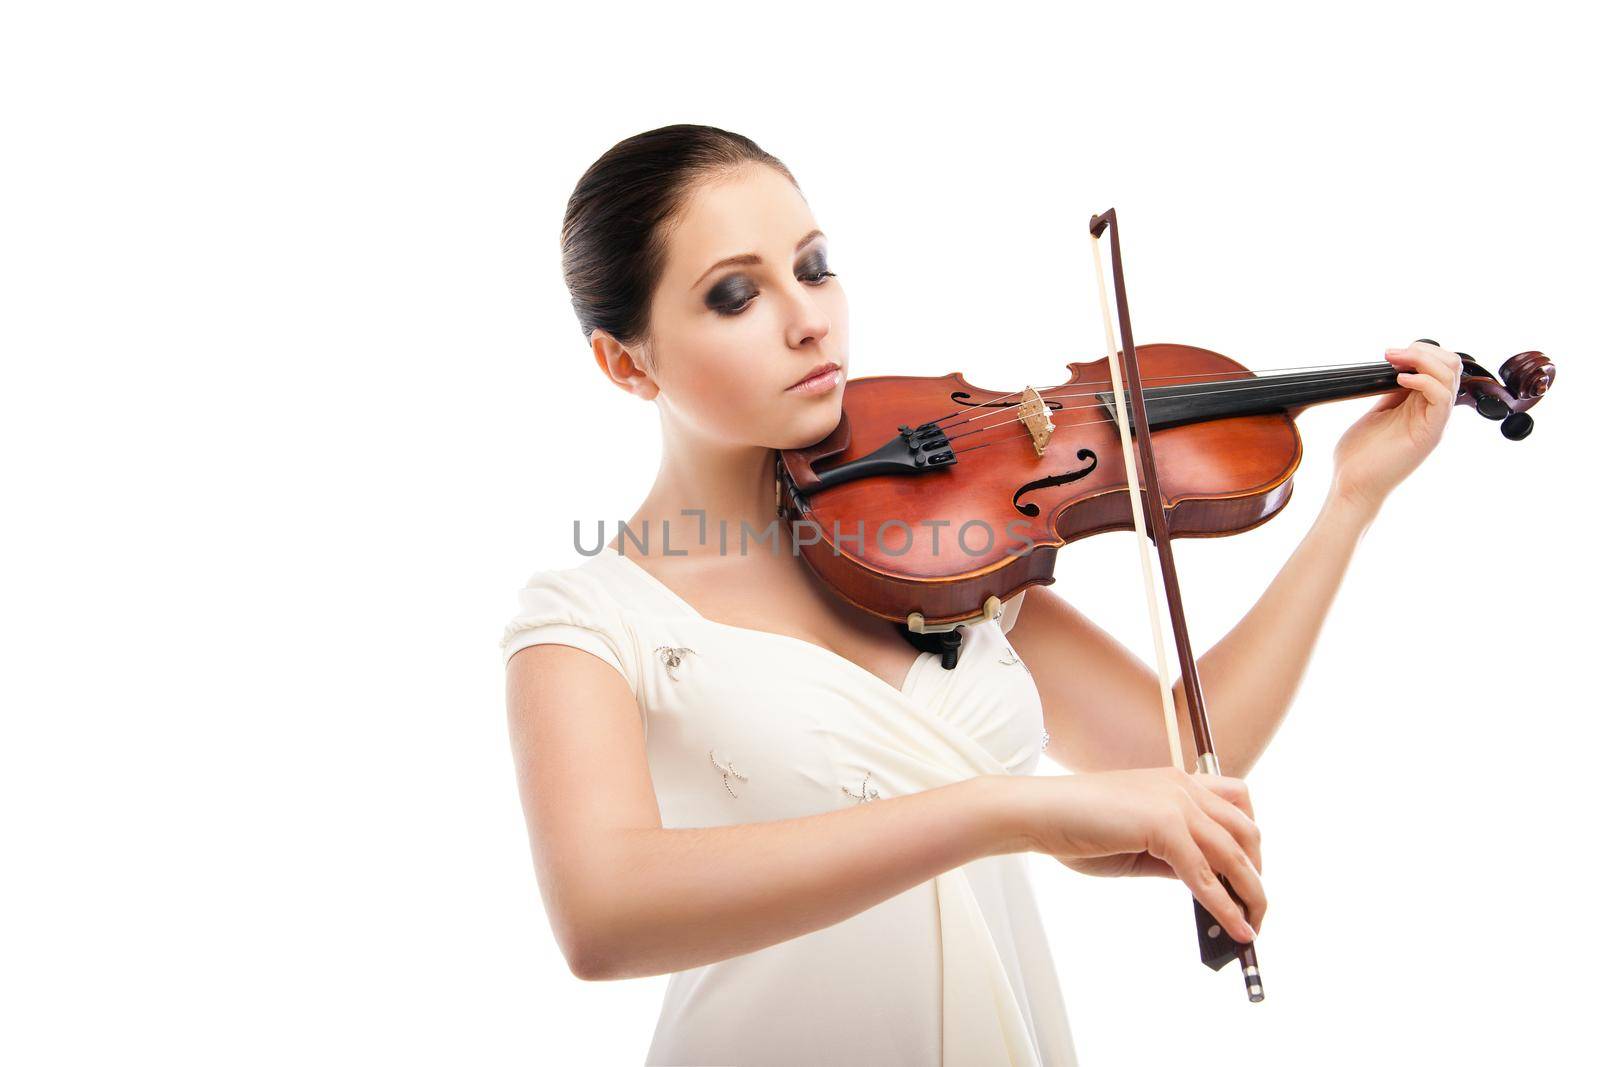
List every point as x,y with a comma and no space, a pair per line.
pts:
1008,612
565,608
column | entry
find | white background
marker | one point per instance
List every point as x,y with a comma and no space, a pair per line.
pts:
294,402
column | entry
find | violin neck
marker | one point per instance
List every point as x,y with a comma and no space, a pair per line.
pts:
1172,405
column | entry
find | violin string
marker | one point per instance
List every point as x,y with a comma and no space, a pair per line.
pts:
1025,436
1256,386
1343,371
1089,388
1074,407
1265,372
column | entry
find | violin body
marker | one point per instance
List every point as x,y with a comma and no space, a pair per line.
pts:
949,545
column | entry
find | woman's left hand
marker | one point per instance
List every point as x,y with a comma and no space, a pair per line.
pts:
1390,441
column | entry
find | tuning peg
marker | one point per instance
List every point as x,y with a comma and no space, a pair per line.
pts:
1516,426
1427,341
1492,407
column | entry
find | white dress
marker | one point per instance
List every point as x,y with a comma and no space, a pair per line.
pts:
744,725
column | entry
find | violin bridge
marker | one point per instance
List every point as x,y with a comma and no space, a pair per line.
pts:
1035,415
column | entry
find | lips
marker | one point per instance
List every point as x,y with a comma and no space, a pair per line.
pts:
821,376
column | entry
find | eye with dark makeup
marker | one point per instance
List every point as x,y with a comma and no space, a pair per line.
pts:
733,294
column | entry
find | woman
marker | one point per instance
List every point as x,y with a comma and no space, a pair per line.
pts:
731,775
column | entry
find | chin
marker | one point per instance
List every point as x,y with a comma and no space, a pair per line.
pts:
811,427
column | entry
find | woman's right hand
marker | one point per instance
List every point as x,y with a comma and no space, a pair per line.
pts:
1156,821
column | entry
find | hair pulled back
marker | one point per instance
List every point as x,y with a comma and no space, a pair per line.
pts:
614,235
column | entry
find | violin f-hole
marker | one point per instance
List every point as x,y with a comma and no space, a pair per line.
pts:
1031,509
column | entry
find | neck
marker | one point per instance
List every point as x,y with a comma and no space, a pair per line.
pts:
702,482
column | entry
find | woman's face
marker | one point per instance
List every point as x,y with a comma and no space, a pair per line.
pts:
747,309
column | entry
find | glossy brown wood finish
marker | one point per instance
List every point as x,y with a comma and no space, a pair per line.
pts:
1217,477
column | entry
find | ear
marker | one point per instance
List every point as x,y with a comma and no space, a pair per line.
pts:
623,365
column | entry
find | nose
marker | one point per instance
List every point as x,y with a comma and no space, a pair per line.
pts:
807,320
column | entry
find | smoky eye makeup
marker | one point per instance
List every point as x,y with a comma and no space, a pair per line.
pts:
733,294
813,267
730,294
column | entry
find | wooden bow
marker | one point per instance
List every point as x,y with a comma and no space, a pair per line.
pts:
1217,947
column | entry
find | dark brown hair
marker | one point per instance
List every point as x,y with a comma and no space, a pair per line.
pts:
613,239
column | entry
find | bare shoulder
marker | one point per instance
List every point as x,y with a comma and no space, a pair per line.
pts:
1047,615
568,701
579,752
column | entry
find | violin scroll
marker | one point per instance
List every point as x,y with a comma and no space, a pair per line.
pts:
1528,374
1522,382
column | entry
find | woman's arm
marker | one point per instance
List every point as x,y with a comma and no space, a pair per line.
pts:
1250,676
1103,701
627,898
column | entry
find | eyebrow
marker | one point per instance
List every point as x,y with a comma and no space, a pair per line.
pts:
751,257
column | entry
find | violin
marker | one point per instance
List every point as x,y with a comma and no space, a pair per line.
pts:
934,501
